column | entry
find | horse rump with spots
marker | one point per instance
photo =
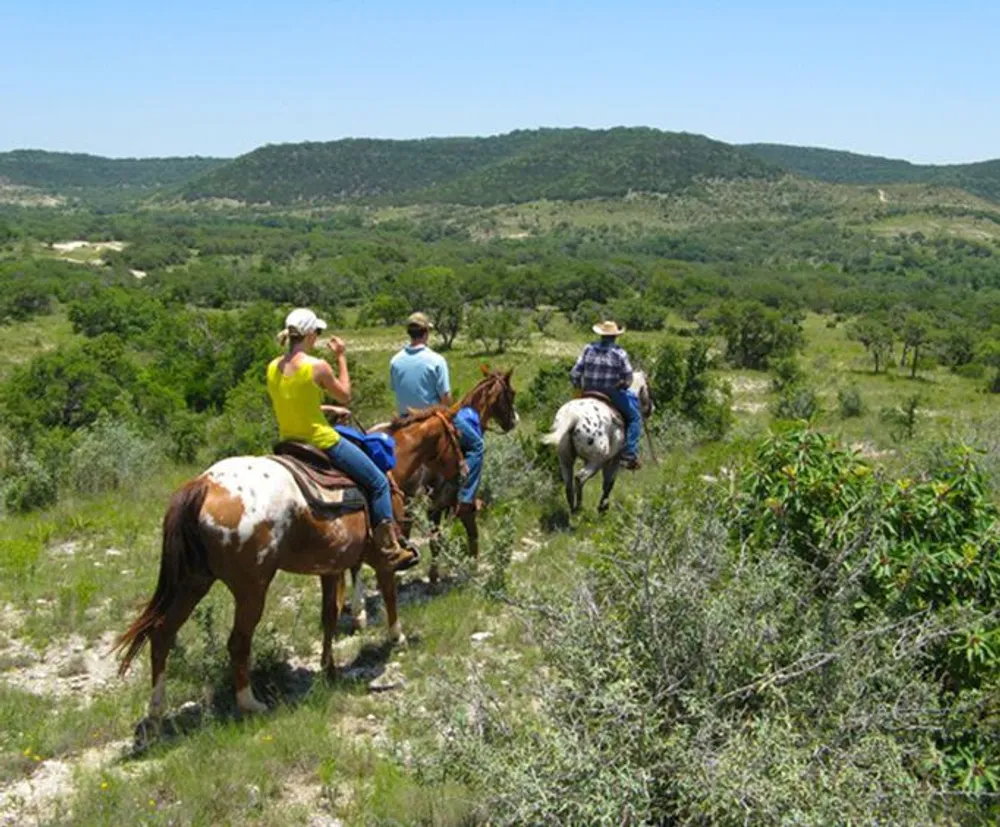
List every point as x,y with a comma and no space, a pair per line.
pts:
592,430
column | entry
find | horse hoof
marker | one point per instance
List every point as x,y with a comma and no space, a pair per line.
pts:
433,575
146,733
602,507
248,704
360,622
396,634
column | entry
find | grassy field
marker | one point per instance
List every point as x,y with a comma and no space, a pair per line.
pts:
327,753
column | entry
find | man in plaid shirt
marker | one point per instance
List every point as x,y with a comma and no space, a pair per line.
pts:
604,367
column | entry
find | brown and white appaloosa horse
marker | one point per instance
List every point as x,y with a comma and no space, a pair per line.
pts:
242,521
493,399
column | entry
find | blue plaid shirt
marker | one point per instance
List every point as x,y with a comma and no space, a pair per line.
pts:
602,367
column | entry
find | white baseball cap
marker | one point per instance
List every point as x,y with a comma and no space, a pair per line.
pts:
303,321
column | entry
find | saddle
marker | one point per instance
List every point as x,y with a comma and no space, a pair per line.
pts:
603,397
328,492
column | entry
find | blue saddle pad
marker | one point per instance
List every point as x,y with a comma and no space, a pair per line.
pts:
380,448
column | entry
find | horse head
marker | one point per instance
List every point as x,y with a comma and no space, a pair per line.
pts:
493,398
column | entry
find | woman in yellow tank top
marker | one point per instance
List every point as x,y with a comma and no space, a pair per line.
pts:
295,383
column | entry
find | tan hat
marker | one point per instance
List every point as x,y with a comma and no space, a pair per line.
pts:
419,320
608,328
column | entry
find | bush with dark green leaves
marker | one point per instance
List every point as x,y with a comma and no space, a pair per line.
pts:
915,549
756,335
796,402
495,327
696,674
548,390
681,384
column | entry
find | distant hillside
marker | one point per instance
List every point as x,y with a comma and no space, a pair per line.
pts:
838,167
561,164
63,171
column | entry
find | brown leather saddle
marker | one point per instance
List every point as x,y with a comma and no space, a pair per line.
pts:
330,493
603,397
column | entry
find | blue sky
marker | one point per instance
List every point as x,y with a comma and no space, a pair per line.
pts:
915,80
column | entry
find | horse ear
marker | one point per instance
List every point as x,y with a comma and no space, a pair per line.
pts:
484,369
508,374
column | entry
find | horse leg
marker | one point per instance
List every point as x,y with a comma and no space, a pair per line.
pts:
161,639
249,608
387,585
580,479
566,460
609,472
472,530
334,586
359,617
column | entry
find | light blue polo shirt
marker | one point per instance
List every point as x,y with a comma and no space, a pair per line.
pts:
419,377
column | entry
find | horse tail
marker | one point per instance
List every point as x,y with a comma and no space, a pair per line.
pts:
183,553
564,422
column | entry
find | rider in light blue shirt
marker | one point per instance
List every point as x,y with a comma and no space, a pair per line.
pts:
419,378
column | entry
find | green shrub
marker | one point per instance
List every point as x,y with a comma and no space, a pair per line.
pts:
548,390
27,484
904,420
247,425
680,384
510,472
787,372
109,455
796,402
849,402
690,679
924,550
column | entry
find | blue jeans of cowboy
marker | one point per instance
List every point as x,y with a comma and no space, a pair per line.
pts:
470,439
628,403
349,458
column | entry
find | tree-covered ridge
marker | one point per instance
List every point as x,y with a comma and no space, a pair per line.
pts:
559,164
839,167
62,171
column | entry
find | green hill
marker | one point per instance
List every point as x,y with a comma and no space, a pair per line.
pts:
839,167
561,164
63,171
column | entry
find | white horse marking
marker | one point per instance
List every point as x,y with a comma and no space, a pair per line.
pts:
246,701
159,697
268,494
396,633
358,613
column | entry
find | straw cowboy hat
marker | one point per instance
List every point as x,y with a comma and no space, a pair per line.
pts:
608,328
419,320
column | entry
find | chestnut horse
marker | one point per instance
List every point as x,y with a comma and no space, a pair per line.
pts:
244,519
492,398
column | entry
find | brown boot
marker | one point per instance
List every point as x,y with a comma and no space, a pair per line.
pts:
632,463
399,559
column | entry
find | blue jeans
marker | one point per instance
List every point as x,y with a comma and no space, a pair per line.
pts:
349,458
473,448
628,403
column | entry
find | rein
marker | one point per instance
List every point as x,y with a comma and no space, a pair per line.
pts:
452,433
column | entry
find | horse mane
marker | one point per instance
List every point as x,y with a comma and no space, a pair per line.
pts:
416,415
480,387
